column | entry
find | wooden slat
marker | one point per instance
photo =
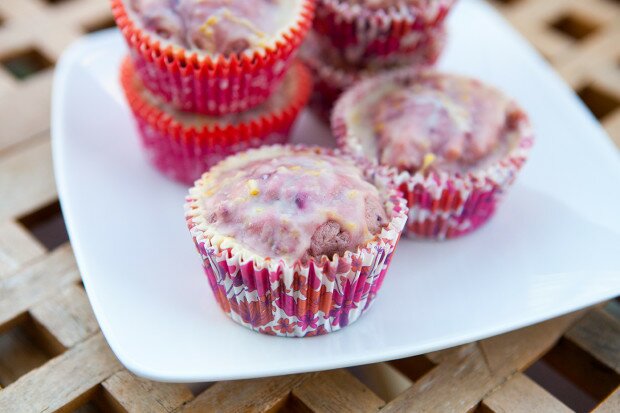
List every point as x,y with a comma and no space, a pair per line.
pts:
7,82
18,104
440,356
86,12
519,349
578,68
125,392
261,395
468,373
17,248
455,385
26,180
598,333
16,9
612,126
65,318
64,382
37,281
337,391
531,19
611,404
522,395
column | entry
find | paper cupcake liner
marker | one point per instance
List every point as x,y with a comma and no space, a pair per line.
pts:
331,80
195,81
422,46
184,151
443,205
298,300
362,35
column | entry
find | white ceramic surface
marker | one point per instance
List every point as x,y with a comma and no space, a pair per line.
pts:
553,247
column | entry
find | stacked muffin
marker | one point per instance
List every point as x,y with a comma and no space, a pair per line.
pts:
206,79
354,39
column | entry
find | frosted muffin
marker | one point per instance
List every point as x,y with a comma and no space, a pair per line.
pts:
372,33
307,232
183,145
294,207
455,145
213,56
444,123
332,75
215,26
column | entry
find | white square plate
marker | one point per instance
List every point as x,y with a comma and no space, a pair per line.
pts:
553,247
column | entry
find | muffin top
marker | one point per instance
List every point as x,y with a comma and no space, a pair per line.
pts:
292,204
436,121
215,26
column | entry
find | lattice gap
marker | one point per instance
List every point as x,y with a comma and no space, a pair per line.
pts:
24,63
47,225
22,349
599,101
574,26
56,2
100,24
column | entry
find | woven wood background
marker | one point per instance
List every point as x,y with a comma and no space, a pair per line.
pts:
53,357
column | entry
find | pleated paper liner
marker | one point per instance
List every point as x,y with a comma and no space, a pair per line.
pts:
196,81
299,299
183,146
332,77
362,35
443,205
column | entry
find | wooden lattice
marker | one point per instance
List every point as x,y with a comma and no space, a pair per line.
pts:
53,356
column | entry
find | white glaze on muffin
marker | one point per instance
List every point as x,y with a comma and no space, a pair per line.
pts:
435,121
293,206
215,26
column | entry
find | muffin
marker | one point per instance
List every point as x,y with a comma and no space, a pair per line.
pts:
453,144
295,241
332,75
369,33
183,145
213,57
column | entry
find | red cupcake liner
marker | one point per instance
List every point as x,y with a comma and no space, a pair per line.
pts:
332,78
443,205
184,151
296,300
363,36
195,81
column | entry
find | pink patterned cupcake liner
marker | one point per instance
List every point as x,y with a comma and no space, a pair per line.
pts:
296,300
443,205
362,35
331,78
183,150
195,81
